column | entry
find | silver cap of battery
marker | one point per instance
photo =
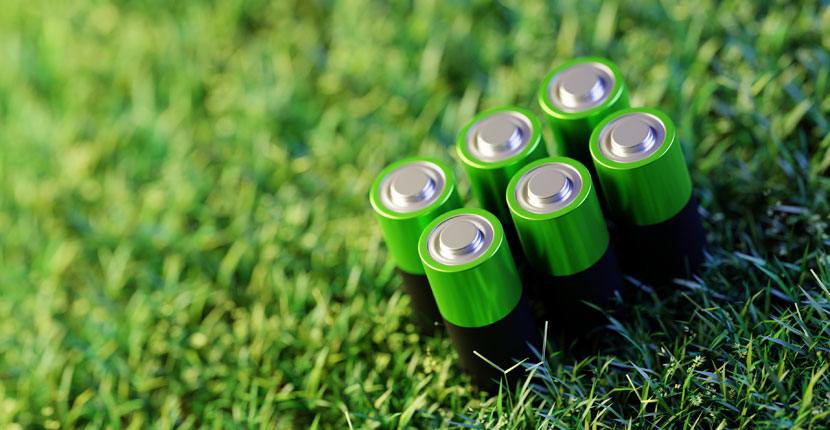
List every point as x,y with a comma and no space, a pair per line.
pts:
581,87
412,187
460,239
632,137
548,188
499,136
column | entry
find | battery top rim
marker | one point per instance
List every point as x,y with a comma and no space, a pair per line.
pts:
565,180
548,187
460,240
499,137
663,137
632,137
411,188
581,87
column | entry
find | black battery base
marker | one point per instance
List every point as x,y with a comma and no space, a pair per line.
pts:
504,342
574,304
424,308
671,249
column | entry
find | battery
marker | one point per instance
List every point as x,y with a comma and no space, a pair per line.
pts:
575,97
477,288
492,147
648,192
556,211
406,196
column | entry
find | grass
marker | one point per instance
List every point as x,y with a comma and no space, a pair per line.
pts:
186,239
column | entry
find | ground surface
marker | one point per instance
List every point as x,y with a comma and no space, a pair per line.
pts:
186,239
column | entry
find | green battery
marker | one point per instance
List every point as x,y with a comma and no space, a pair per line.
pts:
492,147
562,230
648,192
575,97
477,288
406,196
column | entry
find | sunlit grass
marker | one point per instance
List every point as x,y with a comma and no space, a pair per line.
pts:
187,240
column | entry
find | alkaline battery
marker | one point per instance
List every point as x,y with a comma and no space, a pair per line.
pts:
477,288
492,147
575,97
556,211
648,192
406,196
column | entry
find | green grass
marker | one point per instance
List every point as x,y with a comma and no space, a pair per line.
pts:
186,239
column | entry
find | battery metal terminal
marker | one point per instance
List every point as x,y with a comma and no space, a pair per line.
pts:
412,186
548,188
632,137
499,136
581,87
460,239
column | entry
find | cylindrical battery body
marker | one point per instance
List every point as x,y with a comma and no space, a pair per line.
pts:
492,147
406,196
575,97
477,288
557,215
648,192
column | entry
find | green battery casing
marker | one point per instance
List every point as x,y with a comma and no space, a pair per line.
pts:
648,191
572,130
402,230
574,269
568,240
488,179
478,293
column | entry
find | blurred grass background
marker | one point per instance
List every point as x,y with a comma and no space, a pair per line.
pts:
187,240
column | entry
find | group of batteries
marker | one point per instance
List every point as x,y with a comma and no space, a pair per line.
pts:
545,221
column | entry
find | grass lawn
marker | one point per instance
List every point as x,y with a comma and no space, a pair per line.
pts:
186,239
